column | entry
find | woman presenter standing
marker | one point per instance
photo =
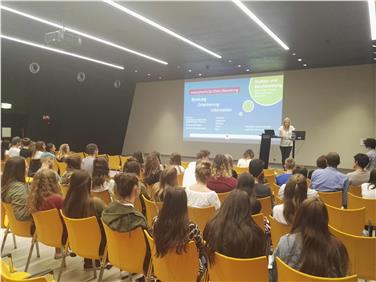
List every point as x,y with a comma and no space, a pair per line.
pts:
285,132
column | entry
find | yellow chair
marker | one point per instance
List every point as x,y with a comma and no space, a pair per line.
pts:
114,162
126,250
201,216
362,253
55,166
64,189
354,202
223,196
274,187
10,274
259,219
137,204
266,205
4,225
269,171
17,227
105,196
62,167
277,230
48,230
227,268
84,239
180,179
28,179
174,267
81,154
270,179
105,156
355,190
288,274
240,170
152,209
308,182
331,198
350,221
123,160
184,164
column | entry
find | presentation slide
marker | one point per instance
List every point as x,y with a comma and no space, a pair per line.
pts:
232,110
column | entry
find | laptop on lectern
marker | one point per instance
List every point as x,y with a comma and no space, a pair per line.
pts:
269,132
298,135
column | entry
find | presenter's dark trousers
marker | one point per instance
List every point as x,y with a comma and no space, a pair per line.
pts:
285,153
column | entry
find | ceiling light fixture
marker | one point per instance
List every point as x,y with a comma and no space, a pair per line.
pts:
135,70
294,54
158,26
299,60
6,106
372,18
200,74
189,70
59,51
239,66
160,77
374,45
149,74
250,14
83,34
230,61
247,70
304,65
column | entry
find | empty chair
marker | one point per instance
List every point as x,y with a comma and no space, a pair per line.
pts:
331,198
266,205
200,216
152,209
259,219
227,268
350,221
354,202
114,162
223,196
278,230
4,225
174,267
105,196
362,253
288,274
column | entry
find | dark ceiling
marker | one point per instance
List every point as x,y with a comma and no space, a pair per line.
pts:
322,34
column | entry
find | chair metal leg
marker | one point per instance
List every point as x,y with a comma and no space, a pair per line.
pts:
65,251
14,241
37,247
94,268
4,240
30,252
103,264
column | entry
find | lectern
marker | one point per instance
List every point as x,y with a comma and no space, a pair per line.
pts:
266,139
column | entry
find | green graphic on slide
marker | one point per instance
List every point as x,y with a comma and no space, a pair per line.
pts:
248,106
266,90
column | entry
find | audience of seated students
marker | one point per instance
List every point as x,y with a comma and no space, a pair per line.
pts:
370,144
310,247
26,151
232,231
330,179
51,149
88,162
298,170
256,168
35,162
320,163
168,179
139,156
230,160
63,153
133,166
248,155
101,180
153,170
73,163
175,160
45,194
79,204
289,166
15,147
4,148
221,180
14,189
171,228
294,195
189,178
360,174
47,162
199,195
369,188
246,182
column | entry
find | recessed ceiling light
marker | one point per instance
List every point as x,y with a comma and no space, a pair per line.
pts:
135,70
247,70
60,51
294,54
149,74
83,34
374,59
374,45
230,61
239,66
374,52
6,106
160,27
250,14
299,60
189,70
304,65
200,74
178,67
372,18
160,77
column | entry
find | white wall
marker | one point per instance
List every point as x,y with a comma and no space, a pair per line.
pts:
336,106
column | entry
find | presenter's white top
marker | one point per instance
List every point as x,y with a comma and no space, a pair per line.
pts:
244,162
286,135
202,199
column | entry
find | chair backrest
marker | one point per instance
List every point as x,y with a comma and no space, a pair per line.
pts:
126,250
64,189
137,204
49,227
180,179
308,182
223,196
123,160
184,164
266,205
354,202
201,216
270,178
227,268
259,219
103,195
274,187
362,253
19,228
288,274
55,166
152,209
62,167
350,221
4,217
81,154
240,170
174,267
114,162
277,230
84,236
331,198
355,190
